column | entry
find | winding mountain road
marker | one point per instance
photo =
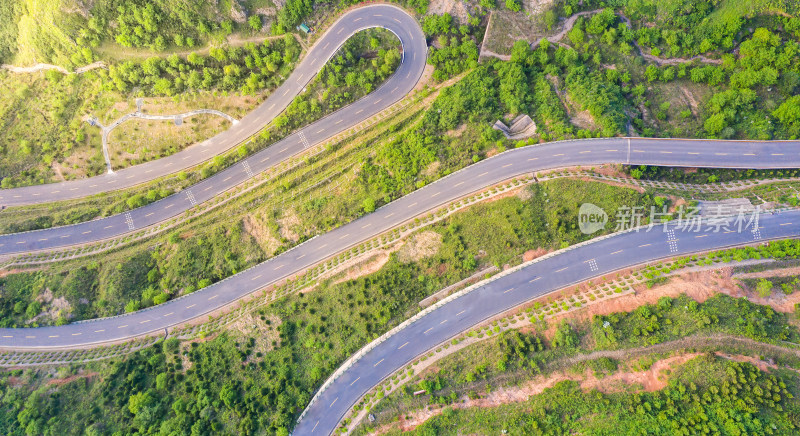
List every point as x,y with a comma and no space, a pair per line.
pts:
591,260
389,17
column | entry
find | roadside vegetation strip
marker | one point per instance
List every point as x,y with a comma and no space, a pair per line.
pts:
534,312
44,67
705,188
454,296
780,192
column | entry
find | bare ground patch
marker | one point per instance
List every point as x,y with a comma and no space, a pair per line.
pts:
533,254
583,119
261,233
610,170
263,331
414,248
457,9
365,267
507,27
75,165
288,224
420,246
431,169
778,272
65,380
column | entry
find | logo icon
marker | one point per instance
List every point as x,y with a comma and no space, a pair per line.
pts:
591,218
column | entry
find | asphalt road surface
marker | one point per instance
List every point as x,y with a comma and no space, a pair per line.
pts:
398,85
482,174
666,152
592,260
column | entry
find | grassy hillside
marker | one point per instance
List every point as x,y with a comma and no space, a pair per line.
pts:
65,32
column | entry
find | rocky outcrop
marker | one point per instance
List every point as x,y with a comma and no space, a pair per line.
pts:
521,127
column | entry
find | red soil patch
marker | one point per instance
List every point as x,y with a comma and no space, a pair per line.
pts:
65,380
533,254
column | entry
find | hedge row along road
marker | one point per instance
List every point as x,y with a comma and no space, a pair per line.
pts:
414,47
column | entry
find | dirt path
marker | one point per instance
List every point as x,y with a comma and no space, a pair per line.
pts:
44,67
567,27
777,272
62,381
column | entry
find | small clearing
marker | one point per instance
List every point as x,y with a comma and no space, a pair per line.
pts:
65,380
261,233
288,224
420,246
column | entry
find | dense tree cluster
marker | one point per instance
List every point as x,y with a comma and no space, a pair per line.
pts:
455,49
753,86
247,70
764,62
155,25
364,61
